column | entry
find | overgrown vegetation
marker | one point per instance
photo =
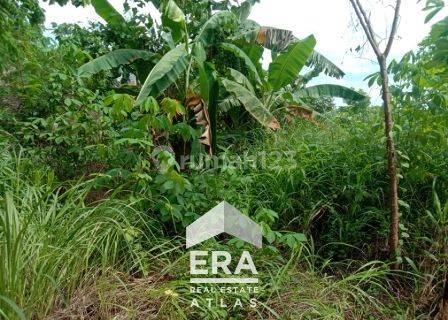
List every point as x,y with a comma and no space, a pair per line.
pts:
116,136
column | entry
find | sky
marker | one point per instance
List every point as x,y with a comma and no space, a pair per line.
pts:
331,21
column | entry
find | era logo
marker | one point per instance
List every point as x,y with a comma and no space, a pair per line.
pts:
223,218
220,260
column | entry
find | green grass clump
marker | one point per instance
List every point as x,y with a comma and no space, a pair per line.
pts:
50,238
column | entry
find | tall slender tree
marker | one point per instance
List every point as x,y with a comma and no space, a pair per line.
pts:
381,56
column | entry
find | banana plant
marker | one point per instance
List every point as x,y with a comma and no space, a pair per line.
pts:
187,54
190,57
112,60
282,84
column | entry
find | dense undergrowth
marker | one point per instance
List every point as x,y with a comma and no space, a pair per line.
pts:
107,255
64,257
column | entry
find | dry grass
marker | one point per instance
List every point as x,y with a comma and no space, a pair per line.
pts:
300,295
116,296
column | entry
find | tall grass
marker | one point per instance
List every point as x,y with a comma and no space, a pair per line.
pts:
326,180
50,238
330,180
55,245
294,287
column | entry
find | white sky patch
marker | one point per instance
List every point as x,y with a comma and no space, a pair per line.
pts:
331,22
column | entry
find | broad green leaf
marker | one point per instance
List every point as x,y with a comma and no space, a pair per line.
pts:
174,19
204,81
241,79
112,60
330,90
253,51
242,55
252,104
221,21
168,37
285,69
106,11
320,63
164,73
204,72
228,103
199,53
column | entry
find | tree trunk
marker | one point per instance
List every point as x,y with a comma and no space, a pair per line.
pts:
443,315
366,25
391,162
